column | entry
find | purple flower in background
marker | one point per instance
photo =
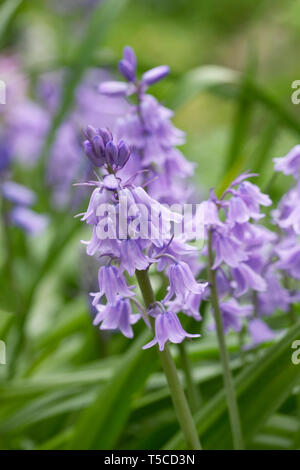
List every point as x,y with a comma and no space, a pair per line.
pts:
259,332
228,250
233,314
20,215
65,161
18,194
127,67
276,296
101,149
246,278
28,220
168,328
5,156
290,164
11,72
26,122
288,253
27,126
243,251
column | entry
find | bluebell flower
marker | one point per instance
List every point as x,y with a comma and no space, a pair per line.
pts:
118,316
168,328
112,284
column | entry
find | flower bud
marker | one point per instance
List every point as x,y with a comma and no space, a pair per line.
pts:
89,151
123,153
105,134
111,152
113,88
90,132
154,75
98,146
129,56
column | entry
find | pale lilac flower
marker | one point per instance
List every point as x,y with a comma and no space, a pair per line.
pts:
238,211
5,155
65,161
168,328
18,194
259,332
246,278
127,67
182,282
20,215
228,250
276,296
27,122
112,284
27,125
118,316
289,257
243,249
132,257
28,220
290,164
149,132
286,215
233,313
251,198
114,88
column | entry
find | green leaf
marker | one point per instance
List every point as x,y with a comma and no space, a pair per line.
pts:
261,388
28,388
241,121
244,89
57,442
227,83
269,442
202,79
57,247
101,424
46,407
7,11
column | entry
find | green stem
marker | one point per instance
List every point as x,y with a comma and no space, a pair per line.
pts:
181,406
228,382
191,389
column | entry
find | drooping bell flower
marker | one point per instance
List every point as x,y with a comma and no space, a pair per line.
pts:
168,328
118,316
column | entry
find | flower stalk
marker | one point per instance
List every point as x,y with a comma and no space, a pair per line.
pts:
234,417
191,389
181,406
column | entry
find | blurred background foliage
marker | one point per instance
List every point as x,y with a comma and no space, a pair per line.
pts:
66,385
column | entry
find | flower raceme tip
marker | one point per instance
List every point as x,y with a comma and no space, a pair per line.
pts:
127,68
